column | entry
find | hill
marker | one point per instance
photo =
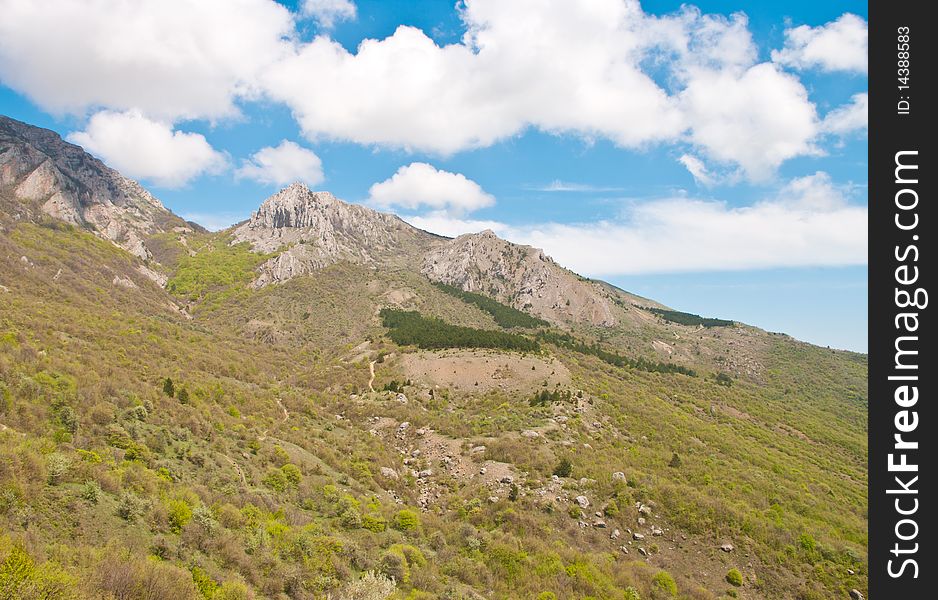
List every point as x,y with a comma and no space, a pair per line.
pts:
324,392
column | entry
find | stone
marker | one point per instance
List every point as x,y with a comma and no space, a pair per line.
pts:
388,473
618,476
530,433
638,536
855,594
582,501
727,547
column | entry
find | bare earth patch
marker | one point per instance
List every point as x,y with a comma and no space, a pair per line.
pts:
482,371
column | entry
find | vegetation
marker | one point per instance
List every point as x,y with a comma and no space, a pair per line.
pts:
565,340
690,319
410,328
504,315
267,481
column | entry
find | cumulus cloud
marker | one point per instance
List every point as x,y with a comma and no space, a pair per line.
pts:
422,186
756,119
145,149
328,12
283,164
840,45
808,222
171,59
561,67
850,117
596,69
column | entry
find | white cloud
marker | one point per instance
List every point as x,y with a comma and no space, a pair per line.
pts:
145,149
328,12
849,117
757,118
595,69
562,67
171,59
419,185
452,227
840,45
698,169
809,222
283,164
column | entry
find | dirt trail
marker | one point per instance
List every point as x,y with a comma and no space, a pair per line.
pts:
286,415
237,467
371,370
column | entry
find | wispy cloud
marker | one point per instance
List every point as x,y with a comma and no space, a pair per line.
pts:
566,186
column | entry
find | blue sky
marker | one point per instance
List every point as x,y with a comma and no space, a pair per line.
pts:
573,126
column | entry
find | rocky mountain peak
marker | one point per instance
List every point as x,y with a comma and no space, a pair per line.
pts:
315,229
41,172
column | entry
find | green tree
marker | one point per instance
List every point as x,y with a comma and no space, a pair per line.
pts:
168,387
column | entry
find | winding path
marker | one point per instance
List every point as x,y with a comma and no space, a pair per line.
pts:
371,369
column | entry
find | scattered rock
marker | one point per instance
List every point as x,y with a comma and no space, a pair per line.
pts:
727,547
856,595
582,501
599,523
530,433
477,450
615,534
643,552
618,476
493,499
638,536
389,473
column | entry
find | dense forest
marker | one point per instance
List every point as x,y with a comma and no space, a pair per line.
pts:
683,318
410,328
504,315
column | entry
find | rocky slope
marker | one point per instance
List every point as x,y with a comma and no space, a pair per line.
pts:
315,230
39,170
521,276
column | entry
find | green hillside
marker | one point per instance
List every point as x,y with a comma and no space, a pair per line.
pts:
269,469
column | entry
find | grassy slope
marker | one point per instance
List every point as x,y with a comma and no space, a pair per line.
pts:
95,453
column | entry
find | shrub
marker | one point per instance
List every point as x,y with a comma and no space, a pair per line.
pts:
734,577
406,520
374,523
664,582
372,586
179,514
130,506
675,460
91,491
292,473
57,466
564,468
168,387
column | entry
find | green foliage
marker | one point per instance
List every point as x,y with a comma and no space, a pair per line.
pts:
683,318
565,340
22,579
406,520
217,272
410,328
724,379
675,461
664,582
734,577
547,397
169,388
504,315
179,514
206,586
564,468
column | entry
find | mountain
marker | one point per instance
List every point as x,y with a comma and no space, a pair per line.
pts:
42,174
323,398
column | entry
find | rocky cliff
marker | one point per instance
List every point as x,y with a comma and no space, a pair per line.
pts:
521,276
42,173
314,229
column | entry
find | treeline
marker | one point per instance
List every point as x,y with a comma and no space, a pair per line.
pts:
410,328
504,315
683,318
565,340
